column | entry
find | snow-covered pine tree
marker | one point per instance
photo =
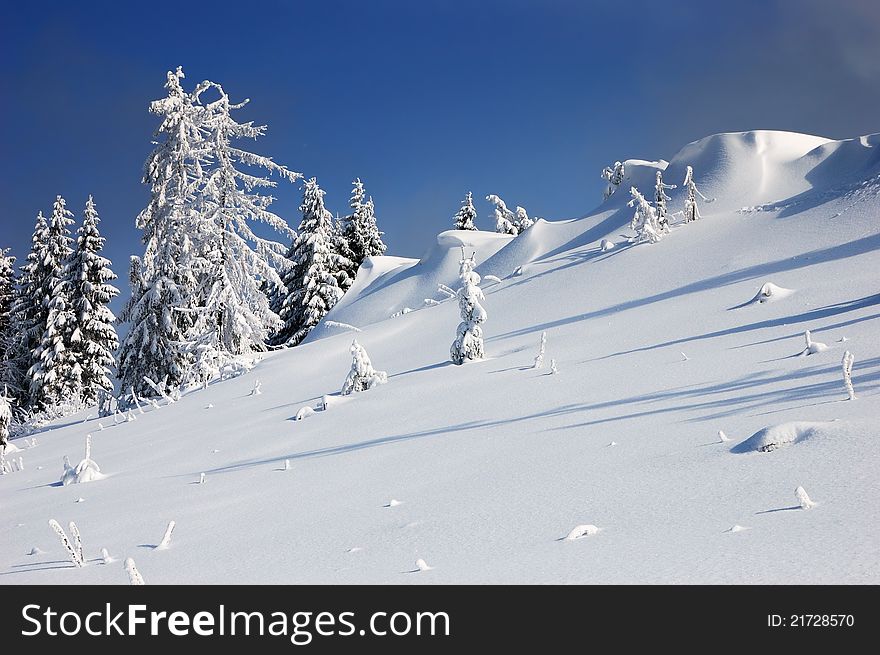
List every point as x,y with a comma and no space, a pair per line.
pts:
468,344
55,375
691,211
362,375
505,220
94,339
523,222
614,176
644,220
233,316
361,237
7,298
312,288
464,218
660,199
161,311
28,319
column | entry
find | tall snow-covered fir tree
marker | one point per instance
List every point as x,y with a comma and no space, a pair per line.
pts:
312,287
361,237
523,222
468,344
644,220
55,375
614,176
660,199
28,317
233,314
161,311
691,210
7,298
466,215
94,340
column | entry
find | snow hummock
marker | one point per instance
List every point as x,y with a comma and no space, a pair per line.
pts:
803,498
769,292
581,531
422,565
775,436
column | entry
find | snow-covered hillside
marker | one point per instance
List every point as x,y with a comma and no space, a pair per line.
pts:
484,470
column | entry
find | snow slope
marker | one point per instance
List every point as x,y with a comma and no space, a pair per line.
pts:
493,464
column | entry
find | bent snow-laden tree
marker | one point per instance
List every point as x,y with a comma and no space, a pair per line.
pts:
232,315
5,419
55,375
644,220
312,286
464,218
164,282
614,176
362,375
505,220
660,199
87,277
691,210
468,344
523,222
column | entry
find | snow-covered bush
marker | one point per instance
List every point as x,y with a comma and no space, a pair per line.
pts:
468,344
166,538
812,347
539,359
803,499
134,576
847,363
691,211
5,420
644,221
74,548
581,531
660,199
523,222
614,175
86,471
304,413
362,375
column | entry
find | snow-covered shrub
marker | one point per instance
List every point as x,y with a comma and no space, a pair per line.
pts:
811,347
553,369
614,175
5,420
166,538
362,375
468,344
256,391
523,222
768,293
304,413
86,471
134,576
847,364
691,211
660,199
74,549
644,221
422,565
605,245
539,359
803,499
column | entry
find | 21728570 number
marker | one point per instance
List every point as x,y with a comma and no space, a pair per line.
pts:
811,621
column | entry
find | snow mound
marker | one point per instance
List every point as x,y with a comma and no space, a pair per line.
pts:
769,292
736,528
304,413
11,448
581,531
775,436
422,565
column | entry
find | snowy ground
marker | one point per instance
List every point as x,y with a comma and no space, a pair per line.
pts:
494,463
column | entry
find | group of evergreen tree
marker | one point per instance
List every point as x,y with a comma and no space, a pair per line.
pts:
208,288
57,338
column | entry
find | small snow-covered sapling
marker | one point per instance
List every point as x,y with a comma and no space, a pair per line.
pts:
539,360
847,363
201,478
105,556
812,347
362,375
256,390
77,541
68,546
723,437
134,576
166,538
422,565
803,499
553,369
286,464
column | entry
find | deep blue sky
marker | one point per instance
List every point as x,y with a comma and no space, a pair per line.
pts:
423,100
